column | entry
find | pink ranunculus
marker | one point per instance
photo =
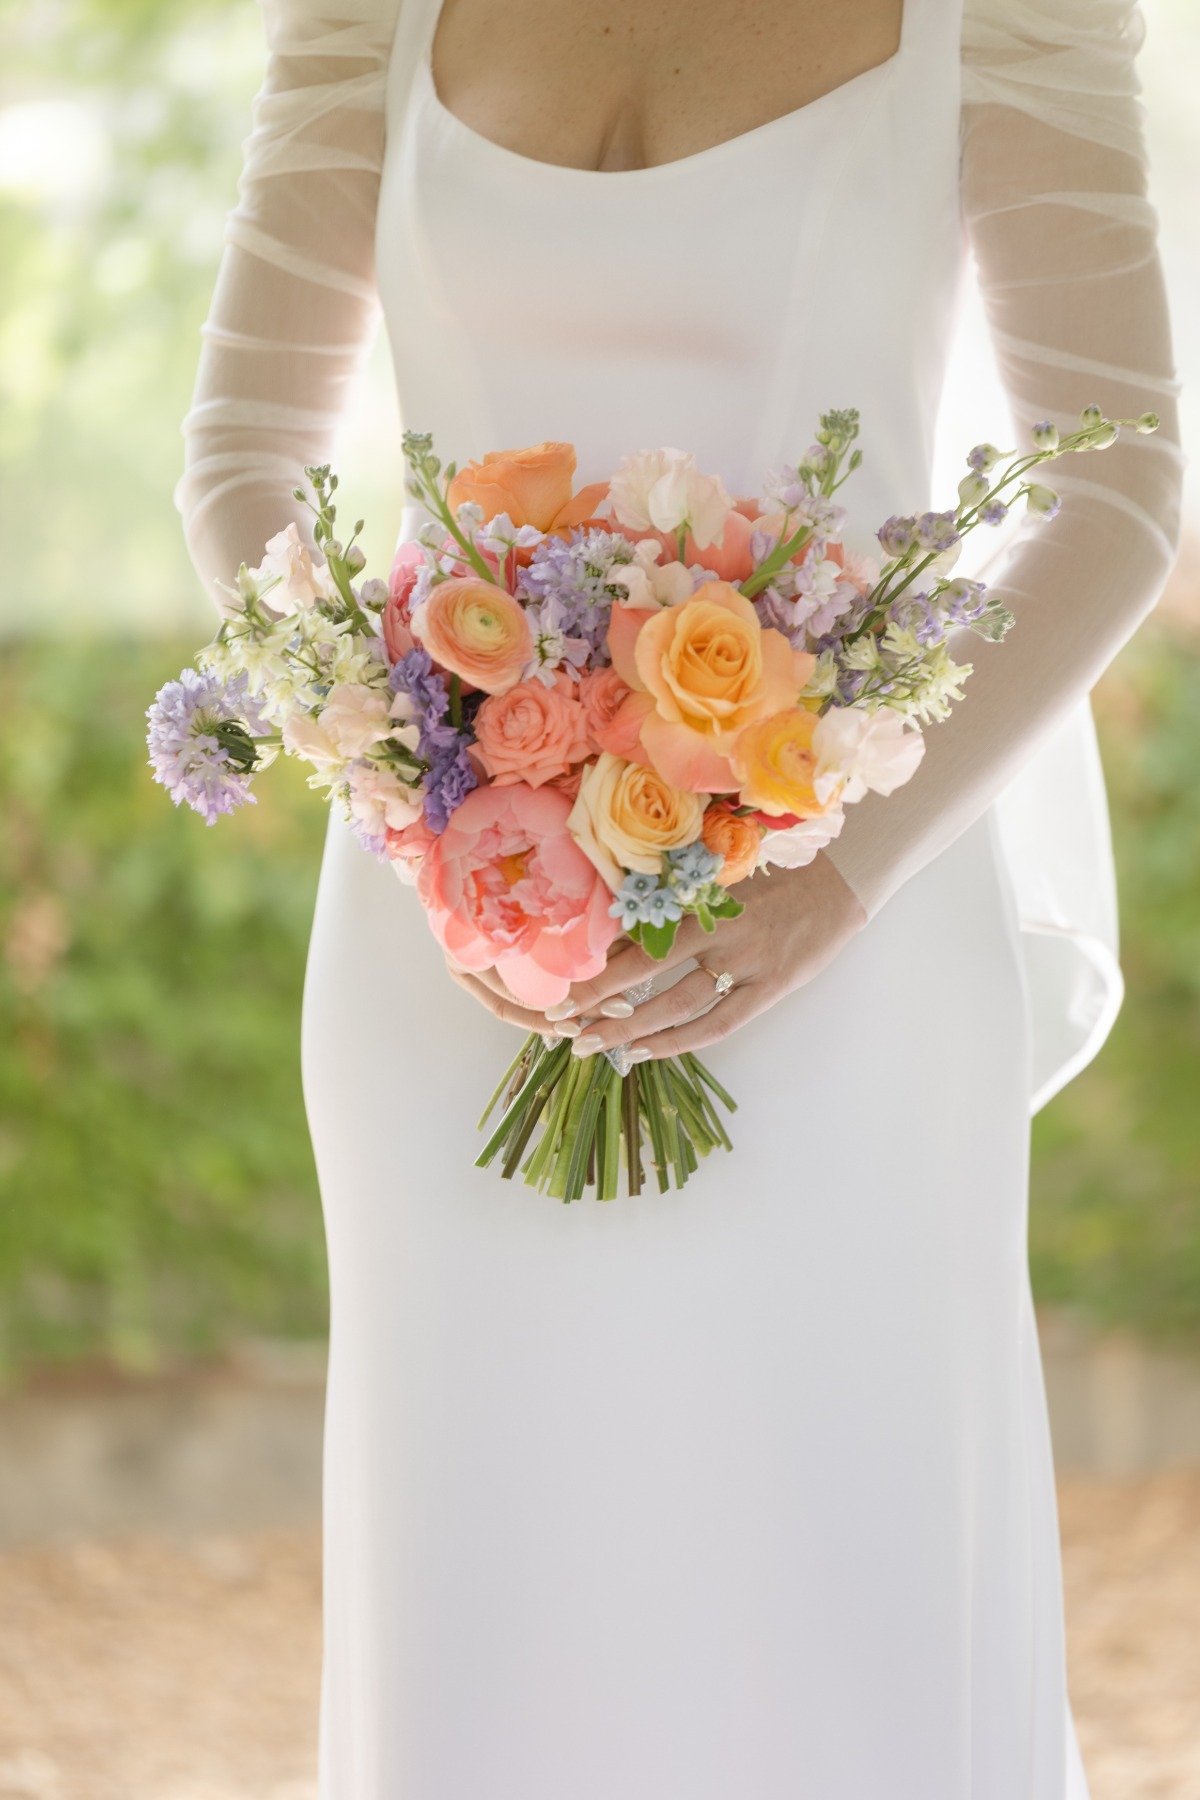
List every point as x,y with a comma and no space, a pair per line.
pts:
532,733
506,887
397,612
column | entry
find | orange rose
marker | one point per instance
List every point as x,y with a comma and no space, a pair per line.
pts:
532,486
475,630
775,763
702,671
733,838
532,733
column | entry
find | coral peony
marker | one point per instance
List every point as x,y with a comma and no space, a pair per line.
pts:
475,630
627,816
532,733
506,887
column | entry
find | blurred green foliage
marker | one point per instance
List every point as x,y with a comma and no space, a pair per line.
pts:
156,1189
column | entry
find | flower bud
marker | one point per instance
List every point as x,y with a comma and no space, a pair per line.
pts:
1147,422
983,457
1045,435
972,488
1091,415
355,559
1043,501
1106,435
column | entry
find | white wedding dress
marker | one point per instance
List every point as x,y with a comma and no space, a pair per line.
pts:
743,1493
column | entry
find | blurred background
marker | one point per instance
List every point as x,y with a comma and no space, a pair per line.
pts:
162,1280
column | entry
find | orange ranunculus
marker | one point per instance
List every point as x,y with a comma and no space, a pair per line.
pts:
776,763
533,486
701,672
475,630
733,838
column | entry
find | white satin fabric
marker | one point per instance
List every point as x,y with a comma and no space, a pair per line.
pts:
744,1491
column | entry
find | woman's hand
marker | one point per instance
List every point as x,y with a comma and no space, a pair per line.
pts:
491,992
795,922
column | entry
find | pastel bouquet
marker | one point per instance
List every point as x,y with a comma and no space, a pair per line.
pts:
575,713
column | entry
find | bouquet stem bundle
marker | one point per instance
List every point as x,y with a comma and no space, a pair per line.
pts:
593,1119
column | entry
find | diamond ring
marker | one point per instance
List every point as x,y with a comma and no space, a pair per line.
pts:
721,983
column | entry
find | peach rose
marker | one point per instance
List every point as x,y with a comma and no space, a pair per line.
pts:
626,816
475,630
776,763
733,838
505,887
602,693
533,486
532,733
701,672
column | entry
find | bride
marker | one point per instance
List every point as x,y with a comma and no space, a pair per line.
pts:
745,1492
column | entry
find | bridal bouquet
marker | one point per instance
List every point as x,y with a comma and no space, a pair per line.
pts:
571,714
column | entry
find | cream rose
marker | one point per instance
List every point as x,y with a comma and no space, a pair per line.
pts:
626,816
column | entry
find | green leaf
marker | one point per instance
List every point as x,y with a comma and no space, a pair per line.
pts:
656,940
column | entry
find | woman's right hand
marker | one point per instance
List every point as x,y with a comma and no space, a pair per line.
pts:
491,992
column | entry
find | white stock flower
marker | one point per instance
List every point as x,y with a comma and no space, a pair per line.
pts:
796,845
859,751
662,490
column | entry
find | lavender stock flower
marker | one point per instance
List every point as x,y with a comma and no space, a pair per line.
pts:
201,742
449,776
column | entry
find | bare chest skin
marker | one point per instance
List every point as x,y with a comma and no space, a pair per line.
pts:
628,84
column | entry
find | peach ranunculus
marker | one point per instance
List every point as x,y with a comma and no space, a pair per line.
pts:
733,838
701,672
506,887
776,761
626,817
532,733
475,630
397,612
533,486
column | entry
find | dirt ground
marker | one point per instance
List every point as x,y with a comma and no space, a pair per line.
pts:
156,1671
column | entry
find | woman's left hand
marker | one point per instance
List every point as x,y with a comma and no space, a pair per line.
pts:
795,922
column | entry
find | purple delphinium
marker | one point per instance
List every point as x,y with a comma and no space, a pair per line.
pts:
201,742
567,579
450,776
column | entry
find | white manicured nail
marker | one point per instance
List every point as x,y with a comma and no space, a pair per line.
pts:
569,1028
587,1045
562,1009
616,1008
639,1053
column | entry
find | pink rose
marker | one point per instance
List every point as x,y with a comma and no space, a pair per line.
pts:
505,886
532,733
602,692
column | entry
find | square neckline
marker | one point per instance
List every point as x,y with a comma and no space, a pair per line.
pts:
878,72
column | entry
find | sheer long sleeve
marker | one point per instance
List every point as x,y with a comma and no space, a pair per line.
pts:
294,309
1054,180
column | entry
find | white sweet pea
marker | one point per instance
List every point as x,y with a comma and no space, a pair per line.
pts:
354,718
304,735
302,580
663,490
379,799
649,583
796,845
859,751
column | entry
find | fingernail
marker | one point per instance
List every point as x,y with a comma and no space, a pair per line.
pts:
639,1053
563,1009
616,1009
587,1045
568,1028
